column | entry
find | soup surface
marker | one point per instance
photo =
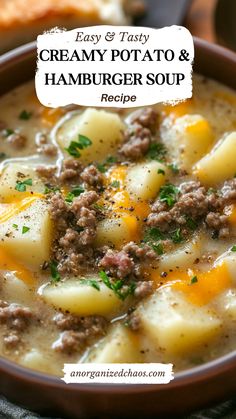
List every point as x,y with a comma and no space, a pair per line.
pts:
117,231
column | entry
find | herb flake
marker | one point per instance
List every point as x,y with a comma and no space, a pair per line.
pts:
7,132
91,282
158,248
115,184
168,194
157,151
174,168
111,159
77,191
194,280
25,116
176,236
74,147
153,234
117,286
25,229
21,185
54,271
101,167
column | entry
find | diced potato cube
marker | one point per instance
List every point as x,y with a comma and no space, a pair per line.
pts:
189,139
183,257
104,129
226,304
144,180
15,290
27,235
116,231
81,299
196,137
36,360
175,325
17,172
119,346
229,260
219,164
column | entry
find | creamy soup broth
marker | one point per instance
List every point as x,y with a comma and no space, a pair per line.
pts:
118,231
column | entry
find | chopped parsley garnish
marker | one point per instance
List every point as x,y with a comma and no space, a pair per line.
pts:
191,223
25,115
105,279
115,184
153,234
211,191
54,271
15,226
77,191
49,189
176,236
194,280
92,282
174,168
2,155
101,167
25,229
157,151
158,248
161,172
233,248
74,147
99,207
111,159
21,185
8,131
168,194
117,286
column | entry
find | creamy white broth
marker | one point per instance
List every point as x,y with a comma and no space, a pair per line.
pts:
191,281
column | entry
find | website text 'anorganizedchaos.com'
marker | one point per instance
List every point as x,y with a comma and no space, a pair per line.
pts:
118,373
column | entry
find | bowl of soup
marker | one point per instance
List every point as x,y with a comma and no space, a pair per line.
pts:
118,243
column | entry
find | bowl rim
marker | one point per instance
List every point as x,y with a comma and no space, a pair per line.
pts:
198,374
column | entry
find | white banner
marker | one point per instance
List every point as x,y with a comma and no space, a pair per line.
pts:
150,373
114,66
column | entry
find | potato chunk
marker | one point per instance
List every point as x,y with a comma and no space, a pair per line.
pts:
183,257
81,299
14,173
219,164
116,231
104,129
226,304
27,235
189,139
36,360
174,324
119,346
144,180
15,290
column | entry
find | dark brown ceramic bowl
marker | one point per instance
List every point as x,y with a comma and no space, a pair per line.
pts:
190,390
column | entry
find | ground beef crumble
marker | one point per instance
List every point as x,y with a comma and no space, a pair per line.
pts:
138,136
71,171
75,226
92,177
47,173
17,319
77,331
17,140
49,150
195,202
128,261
